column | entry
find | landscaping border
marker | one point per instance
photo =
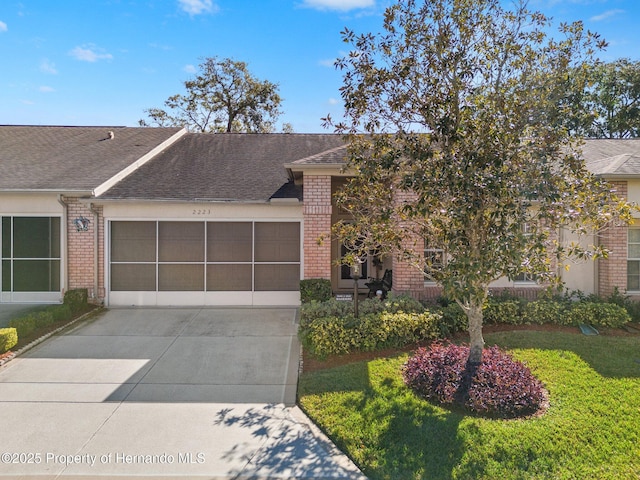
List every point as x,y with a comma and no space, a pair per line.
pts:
44,337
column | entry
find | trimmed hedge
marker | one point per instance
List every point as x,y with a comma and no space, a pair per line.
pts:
334,335
598,314
8,339
336,308
77,299
540,312
75,302
503,311
315,290
328,328
33,321
331,308
24,326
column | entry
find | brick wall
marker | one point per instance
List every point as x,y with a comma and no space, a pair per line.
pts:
612,271
317,226
80,249
407,278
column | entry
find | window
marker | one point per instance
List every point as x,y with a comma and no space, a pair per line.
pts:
633,260
31,254
524,277
434,260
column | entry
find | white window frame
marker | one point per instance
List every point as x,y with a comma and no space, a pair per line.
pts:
524,278
632,259
430,252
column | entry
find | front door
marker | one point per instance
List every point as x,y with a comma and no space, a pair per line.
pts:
344,278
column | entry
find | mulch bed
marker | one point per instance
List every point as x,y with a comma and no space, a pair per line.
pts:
310,364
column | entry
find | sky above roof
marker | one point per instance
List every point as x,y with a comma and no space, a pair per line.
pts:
103,62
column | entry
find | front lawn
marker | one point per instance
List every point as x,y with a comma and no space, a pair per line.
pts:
590,430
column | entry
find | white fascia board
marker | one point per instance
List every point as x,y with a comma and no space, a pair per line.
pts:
99,190
47,191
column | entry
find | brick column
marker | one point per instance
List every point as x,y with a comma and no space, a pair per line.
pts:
317,226
407,278
612,271
81,258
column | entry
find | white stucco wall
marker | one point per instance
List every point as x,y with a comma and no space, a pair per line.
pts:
203,211
29,204
581,274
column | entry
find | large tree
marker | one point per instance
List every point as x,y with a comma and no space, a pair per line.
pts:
223,97
452,113
613,100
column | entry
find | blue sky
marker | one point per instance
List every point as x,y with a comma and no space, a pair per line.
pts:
102,62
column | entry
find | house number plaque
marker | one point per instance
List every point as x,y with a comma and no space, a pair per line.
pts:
201,211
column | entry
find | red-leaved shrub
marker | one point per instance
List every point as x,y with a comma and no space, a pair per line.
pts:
499,387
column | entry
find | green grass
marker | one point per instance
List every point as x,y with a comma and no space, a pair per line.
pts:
590,431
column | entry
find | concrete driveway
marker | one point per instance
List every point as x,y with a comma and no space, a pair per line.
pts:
183,393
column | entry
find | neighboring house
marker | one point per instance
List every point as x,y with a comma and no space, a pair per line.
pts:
159,216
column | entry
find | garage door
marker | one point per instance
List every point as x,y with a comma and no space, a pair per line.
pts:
204,263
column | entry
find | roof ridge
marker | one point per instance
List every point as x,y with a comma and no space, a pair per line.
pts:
616,162
321,154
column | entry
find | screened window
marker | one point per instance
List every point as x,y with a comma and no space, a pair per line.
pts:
229,241
633,260
31,254
133,277
205,256
133,241
180,242
277,277
277,242
229,278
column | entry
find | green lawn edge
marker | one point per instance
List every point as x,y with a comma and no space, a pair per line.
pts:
590,430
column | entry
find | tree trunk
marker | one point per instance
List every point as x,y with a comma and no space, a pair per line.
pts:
474,316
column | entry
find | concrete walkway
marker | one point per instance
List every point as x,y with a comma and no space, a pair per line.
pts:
171,393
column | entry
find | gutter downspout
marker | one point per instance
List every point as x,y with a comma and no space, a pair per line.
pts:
65,213
96,255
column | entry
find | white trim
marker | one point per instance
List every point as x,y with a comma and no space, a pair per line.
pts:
31,297
36,297
631,259
276,298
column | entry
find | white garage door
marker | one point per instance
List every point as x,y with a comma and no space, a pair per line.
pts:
204,263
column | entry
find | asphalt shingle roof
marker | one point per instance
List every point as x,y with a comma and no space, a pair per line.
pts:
335,156
71,158
612,156
224,167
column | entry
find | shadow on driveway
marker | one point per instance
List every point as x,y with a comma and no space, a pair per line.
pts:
166,392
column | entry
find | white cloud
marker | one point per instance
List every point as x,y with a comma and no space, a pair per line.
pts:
605,15
343,5
190,68
48,67
3,27
197,7
160,46
333,101
330,62
89,53
46,89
